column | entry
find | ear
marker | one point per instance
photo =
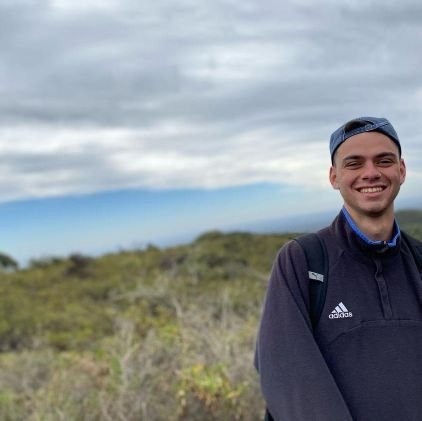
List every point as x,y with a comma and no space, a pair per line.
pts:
402,171
333,177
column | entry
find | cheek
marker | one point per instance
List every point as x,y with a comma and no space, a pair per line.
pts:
345,182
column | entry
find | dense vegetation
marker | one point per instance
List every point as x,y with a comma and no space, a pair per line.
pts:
411,221
139,335
153,334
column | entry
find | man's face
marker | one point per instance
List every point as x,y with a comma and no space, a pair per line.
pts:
368,172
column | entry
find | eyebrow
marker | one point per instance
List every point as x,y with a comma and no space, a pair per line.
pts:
378,156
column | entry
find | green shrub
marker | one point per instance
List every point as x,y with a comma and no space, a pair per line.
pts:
206,392
8,263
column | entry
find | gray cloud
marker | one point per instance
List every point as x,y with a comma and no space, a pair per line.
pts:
134,86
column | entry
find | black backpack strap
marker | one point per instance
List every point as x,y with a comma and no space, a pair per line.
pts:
415,247
317,260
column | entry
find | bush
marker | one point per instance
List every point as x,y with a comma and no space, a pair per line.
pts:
7,262
206,392
153,334
45,262
79,266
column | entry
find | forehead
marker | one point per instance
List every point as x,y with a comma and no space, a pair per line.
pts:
366,144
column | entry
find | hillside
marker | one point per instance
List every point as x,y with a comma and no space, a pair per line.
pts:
155,334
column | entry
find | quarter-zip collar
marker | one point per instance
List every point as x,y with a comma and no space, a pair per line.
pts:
352,241
367,240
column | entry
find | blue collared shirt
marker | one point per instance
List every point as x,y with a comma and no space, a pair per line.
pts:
391,243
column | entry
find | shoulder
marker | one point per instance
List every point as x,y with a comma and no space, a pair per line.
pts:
297,249
410,239
415,247
290,263
291,251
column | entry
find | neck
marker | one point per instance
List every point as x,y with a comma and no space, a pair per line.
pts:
377,227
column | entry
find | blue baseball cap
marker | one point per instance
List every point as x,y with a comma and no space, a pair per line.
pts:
360,125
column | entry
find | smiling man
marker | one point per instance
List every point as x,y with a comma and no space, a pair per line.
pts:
359,356
368,170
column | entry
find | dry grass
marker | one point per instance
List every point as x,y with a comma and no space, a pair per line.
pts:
199,367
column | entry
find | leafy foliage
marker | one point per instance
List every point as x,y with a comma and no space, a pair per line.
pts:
7,262
45,262
149,334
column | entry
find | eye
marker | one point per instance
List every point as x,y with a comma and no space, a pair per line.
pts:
352,164
385,162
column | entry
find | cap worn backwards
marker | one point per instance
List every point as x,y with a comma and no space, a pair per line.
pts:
361,125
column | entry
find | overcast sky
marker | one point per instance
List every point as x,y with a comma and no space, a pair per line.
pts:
107,95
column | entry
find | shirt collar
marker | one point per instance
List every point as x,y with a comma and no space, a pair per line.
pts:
391,243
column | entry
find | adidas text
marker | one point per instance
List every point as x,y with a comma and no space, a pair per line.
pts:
340,315
340,312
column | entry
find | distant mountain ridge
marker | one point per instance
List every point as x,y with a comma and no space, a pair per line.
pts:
408,219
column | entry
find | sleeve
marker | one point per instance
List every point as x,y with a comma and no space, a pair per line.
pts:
295,380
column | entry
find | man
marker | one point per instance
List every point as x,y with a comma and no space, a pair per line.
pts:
363,360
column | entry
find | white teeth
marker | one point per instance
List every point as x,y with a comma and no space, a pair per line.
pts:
371,190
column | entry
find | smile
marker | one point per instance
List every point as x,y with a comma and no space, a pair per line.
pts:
371,189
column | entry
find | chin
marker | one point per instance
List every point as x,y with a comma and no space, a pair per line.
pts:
375,211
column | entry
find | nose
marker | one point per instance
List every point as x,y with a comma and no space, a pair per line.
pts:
371,172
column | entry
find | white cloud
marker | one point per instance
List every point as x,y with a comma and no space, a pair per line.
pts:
247,61
106,95
74,161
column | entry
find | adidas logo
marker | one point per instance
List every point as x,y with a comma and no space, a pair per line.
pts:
340,312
